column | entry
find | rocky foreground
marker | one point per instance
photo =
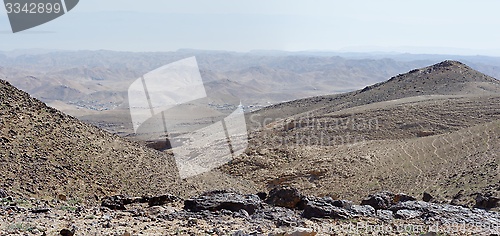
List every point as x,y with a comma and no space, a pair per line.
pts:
284,211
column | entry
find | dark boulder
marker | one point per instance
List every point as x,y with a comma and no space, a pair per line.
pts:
382,200
216,201
40,210
284,197
262,195
364,210
427,197
401,197
325,208
67,232
162,200
486,201
118,202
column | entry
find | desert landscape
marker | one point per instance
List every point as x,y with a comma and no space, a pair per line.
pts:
336,146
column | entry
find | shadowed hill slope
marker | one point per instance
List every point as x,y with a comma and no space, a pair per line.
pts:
44,152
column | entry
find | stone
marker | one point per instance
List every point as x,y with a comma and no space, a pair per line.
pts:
155,210
364,210
486,201
401,197
262,195
339,203
66,232
62,197
217,200
40,210
408,214
427,197
379,201
385,215
116,202
284,196
323,209
162,200
460,199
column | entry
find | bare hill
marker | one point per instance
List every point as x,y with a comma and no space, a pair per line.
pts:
433,129
44,153
445,78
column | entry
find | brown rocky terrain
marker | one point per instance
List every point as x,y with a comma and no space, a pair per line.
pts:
431,130
432,133
45,153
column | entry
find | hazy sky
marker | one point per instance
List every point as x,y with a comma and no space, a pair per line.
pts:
439,26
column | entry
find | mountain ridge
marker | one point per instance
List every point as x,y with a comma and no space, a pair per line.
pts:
386,138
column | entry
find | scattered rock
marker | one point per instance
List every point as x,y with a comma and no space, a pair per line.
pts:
339,203
3,193
460,199
155,210
321,208
425,133
284,196
385,215
216,201
487,201
382,200
401,197
116,202
364,210
444,213
427,197
127,234
162,200
66,232
262,195
62,197
408,214
40,210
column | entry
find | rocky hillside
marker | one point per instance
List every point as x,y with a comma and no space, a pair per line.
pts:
445,78
44,153
431,130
